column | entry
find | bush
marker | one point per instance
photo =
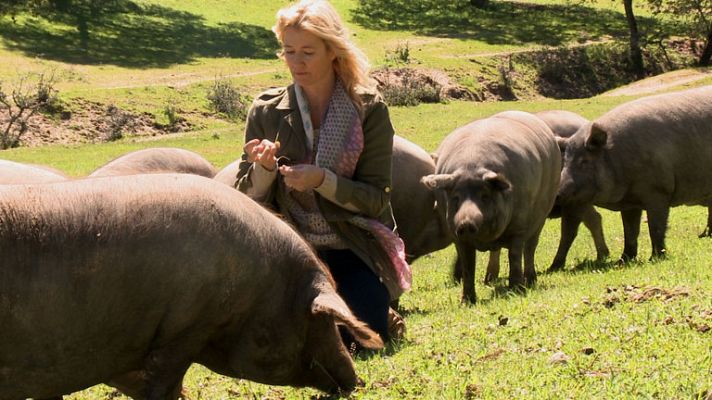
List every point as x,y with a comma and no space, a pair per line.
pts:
226,99
174,119
410,89
401,54
117,121
17,108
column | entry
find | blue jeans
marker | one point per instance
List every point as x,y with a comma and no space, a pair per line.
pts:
360,288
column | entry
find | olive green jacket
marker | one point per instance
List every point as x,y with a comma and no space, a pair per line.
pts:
275,116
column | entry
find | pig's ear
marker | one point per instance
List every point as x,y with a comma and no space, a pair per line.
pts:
562,141
329,303
596,138
497,181
438,181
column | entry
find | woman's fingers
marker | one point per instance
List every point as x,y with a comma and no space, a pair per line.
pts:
302,176
250,149
263,152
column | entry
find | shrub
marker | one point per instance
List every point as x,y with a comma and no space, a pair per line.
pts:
174,119
410,89
226,99
117,121
22,104
401,54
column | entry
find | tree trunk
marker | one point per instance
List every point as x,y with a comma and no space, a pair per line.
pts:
707,52
636,55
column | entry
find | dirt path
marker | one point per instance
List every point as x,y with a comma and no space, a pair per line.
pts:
661,82
185,79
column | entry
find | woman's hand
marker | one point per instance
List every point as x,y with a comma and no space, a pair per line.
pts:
302,177
262,152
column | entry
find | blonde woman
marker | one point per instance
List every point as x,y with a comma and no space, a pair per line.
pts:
319,152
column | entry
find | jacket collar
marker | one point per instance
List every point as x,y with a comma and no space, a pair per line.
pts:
289,100
292,117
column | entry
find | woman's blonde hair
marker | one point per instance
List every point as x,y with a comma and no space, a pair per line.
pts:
319,18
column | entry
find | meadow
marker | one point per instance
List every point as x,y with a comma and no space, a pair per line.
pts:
596,330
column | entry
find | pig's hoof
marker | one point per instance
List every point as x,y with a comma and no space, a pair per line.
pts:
469,299
530,281
556,266
603,254
490,280
706,233
658,256
517,285
625,259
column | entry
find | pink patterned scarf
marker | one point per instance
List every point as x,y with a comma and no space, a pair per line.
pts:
340,143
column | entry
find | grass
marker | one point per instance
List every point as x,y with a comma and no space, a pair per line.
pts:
638,349
641,350
646,349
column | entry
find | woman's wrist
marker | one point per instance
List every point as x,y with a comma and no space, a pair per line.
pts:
322,177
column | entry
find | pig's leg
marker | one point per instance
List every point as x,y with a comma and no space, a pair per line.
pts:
593,221
492,267
570,220
631,230
529,250
657,225
516,276
457,268
466,256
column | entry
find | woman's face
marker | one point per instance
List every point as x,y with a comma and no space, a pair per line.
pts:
308,58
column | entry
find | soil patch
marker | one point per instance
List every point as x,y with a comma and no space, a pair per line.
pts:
438,81
92,122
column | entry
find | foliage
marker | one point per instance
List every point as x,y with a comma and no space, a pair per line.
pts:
170,111
22,104
399,55
584,71
225,98
696,14
117,121
408,87
499,23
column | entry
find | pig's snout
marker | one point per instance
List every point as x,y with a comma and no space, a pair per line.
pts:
467,228
468,220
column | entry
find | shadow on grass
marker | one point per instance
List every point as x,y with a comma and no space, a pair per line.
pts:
133,35
590,266
501,22
391,348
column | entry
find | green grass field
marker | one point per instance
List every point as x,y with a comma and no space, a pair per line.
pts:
594,331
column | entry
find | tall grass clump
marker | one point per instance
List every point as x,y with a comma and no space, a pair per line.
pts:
224,98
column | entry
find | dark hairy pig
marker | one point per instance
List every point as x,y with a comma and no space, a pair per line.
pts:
495,182
648,154
128,280
563,123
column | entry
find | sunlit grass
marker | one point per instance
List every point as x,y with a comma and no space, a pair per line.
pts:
615,347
